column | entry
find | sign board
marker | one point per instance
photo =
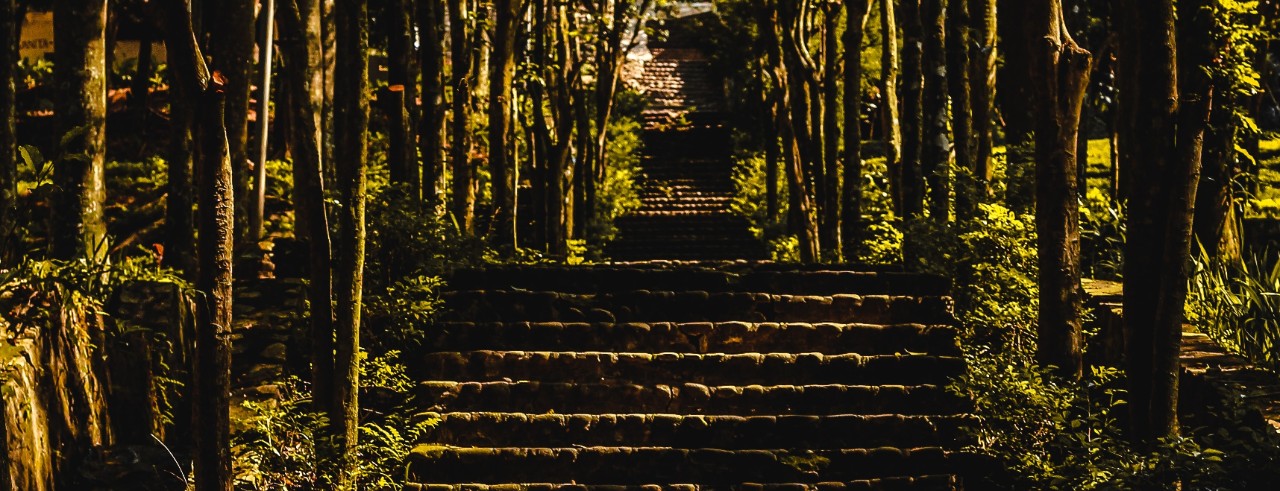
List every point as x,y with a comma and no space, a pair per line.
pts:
37,35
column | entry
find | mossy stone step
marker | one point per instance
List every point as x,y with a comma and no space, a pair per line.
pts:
618,278
641,465
687,398
685,431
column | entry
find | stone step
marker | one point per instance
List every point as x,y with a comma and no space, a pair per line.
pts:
918,483
600,279
695,306
603,398
681,431
672,367
639,465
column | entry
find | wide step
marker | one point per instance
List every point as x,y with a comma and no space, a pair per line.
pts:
919,483
641,465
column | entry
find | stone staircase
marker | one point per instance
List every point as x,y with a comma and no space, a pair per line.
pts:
687,186
681,376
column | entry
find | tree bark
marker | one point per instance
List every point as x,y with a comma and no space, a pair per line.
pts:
982,80
1161,146
463,201
856,14
80,77
9,27
231,47
1216,221
432,120
912,110
889,102
961,111
831,226
212,377
351,112
402,158
1060,69
936,151
1016,106
299,56
501,164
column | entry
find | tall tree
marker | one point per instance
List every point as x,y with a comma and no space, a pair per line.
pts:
400,95
889,101
830,224
502,67
431,122
1168,93
212,388
300,56
912,109
79,71
1060,69
9,24
936,151
982,80
231,48
463,201
856,14
961,111
351,111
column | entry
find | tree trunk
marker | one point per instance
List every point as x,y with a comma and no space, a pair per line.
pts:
982,81
140,86
936,143
402,159
299,56
212,373
559,201
1016,108
464,195
501,165
856,14
961,111
889,102
231,47
9,26
351,111
1216,220
180,205
431,122
831,226
266,54
328,58
1060,70
80,77
1161,145
912,109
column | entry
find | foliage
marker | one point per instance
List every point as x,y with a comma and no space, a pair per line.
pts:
994,256
619,193
276,449
399,315
750,181
1102,232
408,240
1237,303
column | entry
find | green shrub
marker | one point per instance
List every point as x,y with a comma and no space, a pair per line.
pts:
1237,303
1102,233
408,240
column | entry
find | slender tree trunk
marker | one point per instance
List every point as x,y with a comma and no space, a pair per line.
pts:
501,164
212,377
431,123
266,55
1016,99
328,52
180,205
299,56
560,202
402,156
912,109
856,13
1216,220
80,77
1163,141
961,110
1060,70
352,124
831,230
231,49
889,102
9,26
140,88
464,195
936,142
982,80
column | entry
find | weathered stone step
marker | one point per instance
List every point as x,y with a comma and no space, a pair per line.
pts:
694,306
919,483
695,337
712,369
681,431
603,398
602,279
639,465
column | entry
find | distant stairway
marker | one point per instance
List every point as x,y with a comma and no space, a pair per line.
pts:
690,378
687,185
